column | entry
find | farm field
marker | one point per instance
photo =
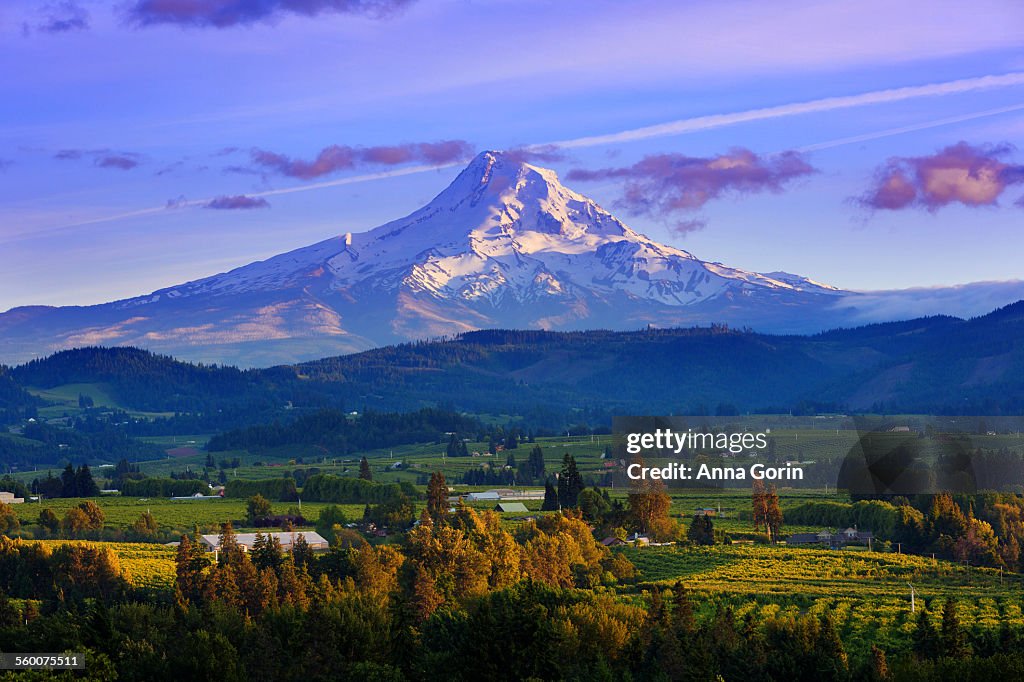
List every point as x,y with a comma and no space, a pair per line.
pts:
183,515
147,565
866,593
64,400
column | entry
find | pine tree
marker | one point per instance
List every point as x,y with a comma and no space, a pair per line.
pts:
84,483
570,483
701,531
832,657
68,482
682,610
437,496
425,595
457,447
266,552
190,564
879,671
302,553
230,551
364,470
952,635
925,639
537,463
550,497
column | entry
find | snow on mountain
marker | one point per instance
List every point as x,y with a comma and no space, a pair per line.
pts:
504,245
502,232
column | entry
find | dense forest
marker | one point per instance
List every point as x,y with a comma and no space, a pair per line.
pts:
546,381
16,403
538,374
460,598
340,433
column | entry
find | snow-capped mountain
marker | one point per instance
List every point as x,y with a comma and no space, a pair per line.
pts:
505,245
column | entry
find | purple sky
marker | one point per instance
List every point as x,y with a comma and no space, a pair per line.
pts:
865,144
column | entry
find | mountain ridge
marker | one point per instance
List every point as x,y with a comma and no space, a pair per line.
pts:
504,245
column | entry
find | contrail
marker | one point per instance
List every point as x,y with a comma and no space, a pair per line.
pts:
195,203
680,127
866,137
699,123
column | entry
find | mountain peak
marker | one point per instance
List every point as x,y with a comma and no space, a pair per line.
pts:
498,178
504,245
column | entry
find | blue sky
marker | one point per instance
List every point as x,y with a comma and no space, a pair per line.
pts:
123,121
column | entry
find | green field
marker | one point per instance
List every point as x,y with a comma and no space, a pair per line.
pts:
183,515
866,593
142,564
64,400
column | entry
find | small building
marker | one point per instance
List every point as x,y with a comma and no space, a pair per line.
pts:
488,496
511,507
248,540
833,540
612,541
9,498
706,511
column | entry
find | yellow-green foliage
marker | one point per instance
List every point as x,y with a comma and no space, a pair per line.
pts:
866,593
142,564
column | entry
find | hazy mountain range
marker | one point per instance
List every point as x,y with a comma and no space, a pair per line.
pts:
506,245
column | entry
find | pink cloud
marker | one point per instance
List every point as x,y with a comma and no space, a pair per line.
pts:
663,184
961,173
342,157
228,13
236,202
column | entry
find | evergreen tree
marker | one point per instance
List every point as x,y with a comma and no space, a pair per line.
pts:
550,497
701,531
879,671
302,553
85,486
925,638
266,552
536,463
437,496
570,483
231,553
68,482
952,635
364,470
190,564
457,447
